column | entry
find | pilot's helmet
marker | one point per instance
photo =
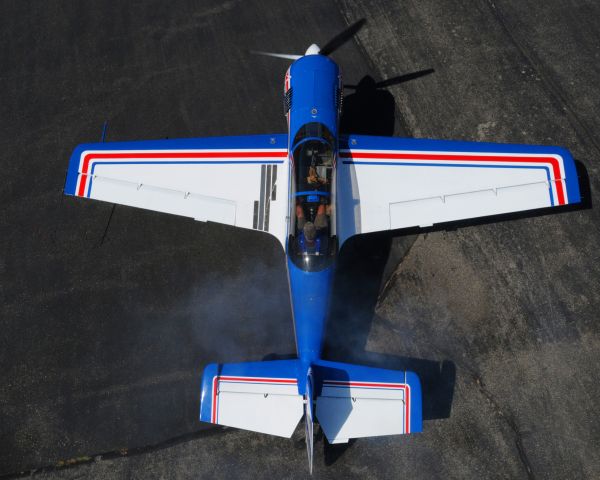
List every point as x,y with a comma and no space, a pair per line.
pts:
310,231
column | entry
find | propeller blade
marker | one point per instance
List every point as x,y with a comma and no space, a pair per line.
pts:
341,38
287,56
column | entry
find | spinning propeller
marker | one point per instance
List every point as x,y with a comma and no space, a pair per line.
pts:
367,83
332,45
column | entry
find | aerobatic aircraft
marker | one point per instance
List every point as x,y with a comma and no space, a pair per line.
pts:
313,188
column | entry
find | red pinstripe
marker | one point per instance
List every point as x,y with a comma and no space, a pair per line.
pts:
88,158
217,379
398,386
466,158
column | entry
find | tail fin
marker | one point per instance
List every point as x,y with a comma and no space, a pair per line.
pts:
258,396
308,418
355,401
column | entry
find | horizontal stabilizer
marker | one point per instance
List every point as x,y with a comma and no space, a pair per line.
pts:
355,401
258,396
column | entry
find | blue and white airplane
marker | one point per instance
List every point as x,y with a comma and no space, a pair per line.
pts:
312,189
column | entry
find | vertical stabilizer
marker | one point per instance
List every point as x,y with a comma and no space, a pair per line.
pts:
308,418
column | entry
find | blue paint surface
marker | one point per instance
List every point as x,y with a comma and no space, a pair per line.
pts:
310,293
314,83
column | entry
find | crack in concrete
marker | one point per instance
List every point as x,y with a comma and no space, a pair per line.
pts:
112,211
75,462
389,284
510,421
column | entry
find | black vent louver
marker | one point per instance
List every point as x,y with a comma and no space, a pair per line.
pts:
287,101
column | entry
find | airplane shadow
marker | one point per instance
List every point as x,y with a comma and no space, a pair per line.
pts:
364,265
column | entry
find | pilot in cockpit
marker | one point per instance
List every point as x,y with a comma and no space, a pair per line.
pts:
313,177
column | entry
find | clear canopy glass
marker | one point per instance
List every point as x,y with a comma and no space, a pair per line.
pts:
312,244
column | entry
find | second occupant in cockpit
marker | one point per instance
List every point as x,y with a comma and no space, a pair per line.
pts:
309,239
320,218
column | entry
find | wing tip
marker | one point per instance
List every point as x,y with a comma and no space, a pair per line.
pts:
416,402
73,171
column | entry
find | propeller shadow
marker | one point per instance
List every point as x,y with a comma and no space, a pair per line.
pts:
371,110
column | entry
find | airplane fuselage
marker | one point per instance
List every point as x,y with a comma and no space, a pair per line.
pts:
313,103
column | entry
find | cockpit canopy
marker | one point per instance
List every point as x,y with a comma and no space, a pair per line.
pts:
313,158
312,241
313,130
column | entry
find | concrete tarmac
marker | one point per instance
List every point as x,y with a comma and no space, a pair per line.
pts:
109,314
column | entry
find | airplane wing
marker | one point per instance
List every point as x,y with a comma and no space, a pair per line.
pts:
240,181
388,183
